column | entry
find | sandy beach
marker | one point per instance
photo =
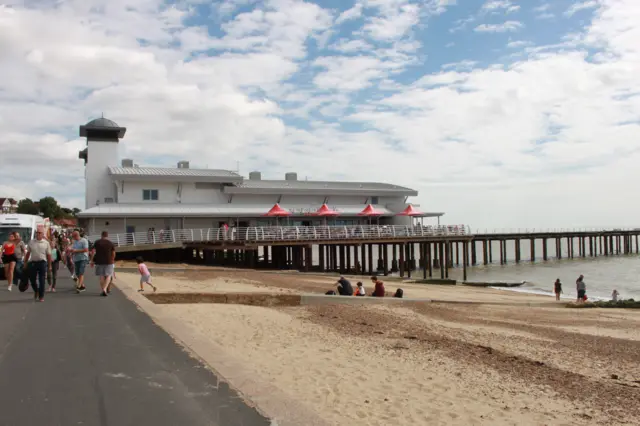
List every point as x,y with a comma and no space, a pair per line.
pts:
421,364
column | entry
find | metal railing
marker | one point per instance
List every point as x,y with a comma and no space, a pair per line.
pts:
325,233
503,231
284,233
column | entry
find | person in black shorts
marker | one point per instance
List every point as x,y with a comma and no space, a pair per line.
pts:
9,259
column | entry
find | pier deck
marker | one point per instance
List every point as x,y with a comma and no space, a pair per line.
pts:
350,249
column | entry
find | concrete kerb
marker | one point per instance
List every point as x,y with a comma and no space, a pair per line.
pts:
311,299
280,408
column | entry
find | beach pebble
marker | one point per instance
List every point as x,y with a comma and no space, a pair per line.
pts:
614,377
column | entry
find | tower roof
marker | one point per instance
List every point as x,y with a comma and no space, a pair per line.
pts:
102,125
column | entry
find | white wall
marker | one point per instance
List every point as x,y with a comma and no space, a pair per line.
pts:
131,192
191,195
248,199
311,200
98,184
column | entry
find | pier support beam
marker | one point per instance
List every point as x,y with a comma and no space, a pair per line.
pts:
532,249
516,243
441,257
485,253
394,258
464,261
474,259
402,262
385,260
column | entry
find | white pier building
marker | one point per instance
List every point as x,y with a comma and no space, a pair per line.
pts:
124,197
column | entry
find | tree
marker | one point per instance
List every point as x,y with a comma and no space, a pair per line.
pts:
76,211
27,206
50,208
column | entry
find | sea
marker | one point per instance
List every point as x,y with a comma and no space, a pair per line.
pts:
602,274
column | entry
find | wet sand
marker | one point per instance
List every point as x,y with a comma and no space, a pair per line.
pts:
433,363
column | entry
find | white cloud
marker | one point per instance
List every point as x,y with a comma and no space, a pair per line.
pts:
354,13
351,46
496,4
504,141
458,66
394,21
518,43
507,26
583,5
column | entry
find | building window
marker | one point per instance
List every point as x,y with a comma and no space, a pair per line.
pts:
374,200
150,194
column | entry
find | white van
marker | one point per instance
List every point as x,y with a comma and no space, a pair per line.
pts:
25,224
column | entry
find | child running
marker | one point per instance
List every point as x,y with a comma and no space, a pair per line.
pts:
145,275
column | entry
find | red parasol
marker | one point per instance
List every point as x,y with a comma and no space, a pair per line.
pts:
277,211
409,211
324,210
369,211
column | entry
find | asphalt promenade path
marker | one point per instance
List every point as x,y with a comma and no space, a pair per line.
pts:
82,359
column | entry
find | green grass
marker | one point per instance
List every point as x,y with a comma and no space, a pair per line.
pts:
620,304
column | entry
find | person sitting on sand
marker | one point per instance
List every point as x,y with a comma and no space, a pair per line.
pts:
581,287
557,288
360,291
378,290
344,287
615,295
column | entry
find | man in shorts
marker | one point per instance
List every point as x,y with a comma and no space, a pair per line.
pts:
80,256
103,256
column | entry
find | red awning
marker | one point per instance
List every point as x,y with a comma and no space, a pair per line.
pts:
277,211
369,211
410,211
324,210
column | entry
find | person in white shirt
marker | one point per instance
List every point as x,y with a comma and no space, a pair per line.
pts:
360,291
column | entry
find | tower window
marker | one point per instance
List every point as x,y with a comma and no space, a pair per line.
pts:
150,194
374,200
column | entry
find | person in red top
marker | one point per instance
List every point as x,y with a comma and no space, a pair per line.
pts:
9,258
378,287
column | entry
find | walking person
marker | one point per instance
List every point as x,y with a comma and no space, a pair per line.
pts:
38,258
103,256
9,259
80,253
581,288
20,251
52,274
145,275
557,288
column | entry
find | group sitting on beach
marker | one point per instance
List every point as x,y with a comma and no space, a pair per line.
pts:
345,288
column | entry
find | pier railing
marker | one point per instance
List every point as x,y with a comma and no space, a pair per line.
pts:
284,233
507,231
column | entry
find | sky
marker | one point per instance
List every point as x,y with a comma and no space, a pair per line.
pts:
502,114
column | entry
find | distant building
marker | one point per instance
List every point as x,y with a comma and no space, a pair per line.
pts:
8,205
123,197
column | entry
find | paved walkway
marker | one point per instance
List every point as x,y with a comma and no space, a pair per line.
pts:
81,359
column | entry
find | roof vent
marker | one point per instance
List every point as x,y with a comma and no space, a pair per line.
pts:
183,164
127,162
255,176
291,176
